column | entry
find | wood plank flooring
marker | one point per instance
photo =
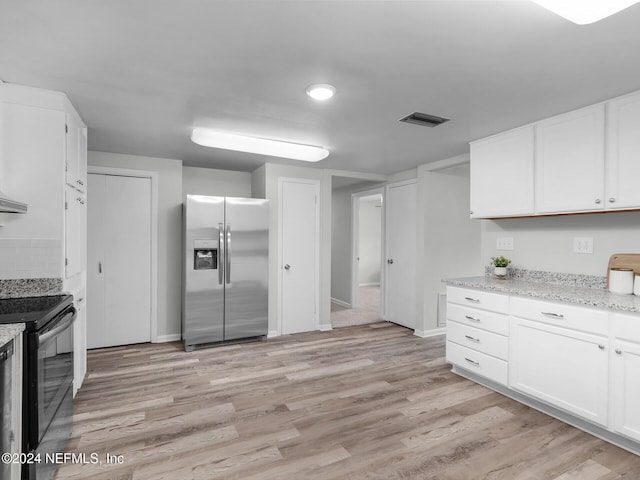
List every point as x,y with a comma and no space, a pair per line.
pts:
366,402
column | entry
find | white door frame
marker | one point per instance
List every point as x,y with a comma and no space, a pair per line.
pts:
355,245
386,234
316,183
153,176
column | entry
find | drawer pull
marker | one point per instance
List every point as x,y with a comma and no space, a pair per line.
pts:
475,364
477,320
471,339
551,314
601,347
618,351
474,300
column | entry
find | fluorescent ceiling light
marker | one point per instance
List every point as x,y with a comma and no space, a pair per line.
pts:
262,146
321,91
584,12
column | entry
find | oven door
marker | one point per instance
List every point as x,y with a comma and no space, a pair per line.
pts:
54,369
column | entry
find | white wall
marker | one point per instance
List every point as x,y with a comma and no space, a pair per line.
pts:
209,181
546,243
341,245
169,231
448,241
370,236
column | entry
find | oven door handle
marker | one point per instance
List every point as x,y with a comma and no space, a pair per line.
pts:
63,324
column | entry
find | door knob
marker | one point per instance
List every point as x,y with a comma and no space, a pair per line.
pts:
390,261
287,266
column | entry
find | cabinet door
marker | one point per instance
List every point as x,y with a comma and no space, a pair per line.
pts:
79,342
75,243
623,152
626,389
570,162
564,368
502,174
76,153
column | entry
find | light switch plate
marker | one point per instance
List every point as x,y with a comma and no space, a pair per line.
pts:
504,243
583,245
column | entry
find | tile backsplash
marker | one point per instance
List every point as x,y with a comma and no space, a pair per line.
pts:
30,258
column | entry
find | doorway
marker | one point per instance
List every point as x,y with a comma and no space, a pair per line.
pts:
356,252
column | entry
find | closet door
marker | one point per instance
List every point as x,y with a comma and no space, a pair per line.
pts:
119,255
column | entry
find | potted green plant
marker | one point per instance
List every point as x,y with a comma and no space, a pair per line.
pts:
500,266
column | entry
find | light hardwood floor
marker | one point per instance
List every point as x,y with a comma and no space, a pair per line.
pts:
366,402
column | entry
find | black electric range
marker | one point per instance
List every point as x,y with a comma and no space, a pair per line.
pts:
47,408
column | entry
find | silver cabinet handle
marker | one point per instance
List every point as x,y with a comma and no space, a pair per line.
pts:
287,266
598,200
477,320
220,253
80,201
99,267
227,256
471,339
471,212
612,200
474,300
618,351
601,347
551,314
476,364
390,261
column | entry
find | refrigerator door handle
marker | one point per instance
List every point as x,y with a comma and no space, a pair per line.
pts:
220,252
227,255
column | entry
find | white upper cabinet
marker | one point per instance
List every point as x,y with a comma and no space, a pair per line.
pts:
570,162
76,153
502,174
623,152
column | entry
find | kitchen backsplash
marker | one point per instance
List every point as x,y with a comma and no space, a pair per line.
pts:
568,279
30,258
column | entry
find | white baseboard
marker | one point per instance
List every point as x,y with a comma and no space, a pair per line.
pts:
430,333
340,302
369,284
273,333
174,337
325,328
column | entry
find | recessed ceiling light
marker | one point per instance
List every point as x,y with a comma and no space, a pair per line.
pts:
584,12
262,146
321,91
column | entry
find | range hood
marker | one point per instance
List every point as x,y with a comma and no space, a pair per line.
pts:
8,205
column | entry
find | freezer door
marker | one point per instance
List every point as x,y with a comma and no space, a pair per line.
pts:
247,268
203,285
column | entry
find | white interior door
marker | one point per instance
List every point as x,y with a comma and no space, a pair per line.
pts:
401,254
299,255
119,252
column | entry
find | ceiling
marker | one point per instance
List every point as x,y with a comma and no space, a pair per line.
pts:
143,73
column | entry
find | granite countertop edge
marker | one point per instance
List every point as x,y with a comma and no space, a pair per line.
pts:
592,297
10,331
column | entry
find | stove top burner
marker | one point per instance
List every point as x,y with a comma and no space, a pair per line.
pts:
35,312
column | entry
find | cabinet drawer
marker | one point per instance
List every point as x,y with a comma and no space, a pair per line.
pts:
494,302
480,340
477,362
493,322
626,326
578,318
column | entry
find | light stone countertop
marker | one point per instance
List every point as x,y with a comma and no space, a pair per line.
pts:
10,331
591,297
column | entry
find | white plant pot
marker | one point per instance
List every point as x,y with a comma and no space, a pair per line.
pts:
500,271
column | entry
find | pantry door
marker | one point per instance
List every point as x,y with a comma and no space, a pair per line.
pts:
118,260
401,241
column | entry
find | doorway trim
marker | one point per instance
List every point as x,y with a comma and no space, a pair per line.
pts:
153,176
355,243
316,183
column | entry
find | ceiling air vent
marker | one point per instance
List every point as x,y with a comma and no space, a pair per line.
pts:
424,119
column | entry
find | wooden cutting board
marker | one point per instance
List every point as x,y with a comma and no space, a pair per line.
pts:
624,260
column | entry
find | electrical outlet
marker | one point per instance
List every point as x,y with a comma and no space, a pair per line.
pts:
504,243
583,245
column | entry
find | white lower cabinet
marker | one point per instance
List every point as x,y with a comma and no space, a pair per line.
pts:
564,368
79,341
625,359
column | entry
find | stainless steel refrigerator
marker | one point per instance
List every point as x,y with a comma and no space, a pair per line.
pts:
226,271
